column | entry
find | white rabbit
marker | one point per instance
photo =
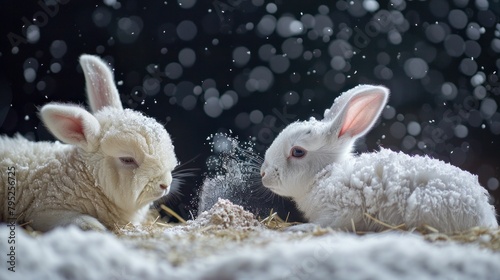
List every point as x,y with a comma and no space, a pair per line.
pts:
114,164
311,162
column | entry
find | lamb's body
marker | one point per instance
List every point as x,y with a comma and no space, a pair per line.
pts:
397,189
52,177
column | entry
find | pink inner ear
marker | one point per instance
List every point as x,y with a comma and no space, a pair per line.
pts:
72,127
361,113
100,87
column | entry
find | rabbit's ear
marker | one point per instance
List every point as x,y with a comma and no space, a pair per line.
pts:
101,89
70,124
355,111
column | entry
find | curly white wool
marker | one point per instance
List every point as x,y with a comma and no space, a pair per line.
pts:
397,189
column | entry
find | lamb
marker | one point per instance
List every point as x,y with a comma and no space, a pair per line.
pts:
115,162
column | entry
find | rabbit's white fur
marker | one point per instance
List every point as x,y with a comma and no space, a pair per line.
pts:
115,163
334,188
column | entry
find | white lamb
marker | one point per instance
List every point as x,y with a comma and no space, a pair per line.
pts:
311,162
114,164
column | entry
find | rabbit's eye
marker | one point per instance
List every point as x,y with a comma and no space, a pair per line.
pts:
128,161
297,152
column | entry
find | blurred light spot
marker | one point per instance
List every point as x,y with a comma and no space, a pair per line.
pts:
186,30
338,63
340,48
458,19
482,4
468,66
395,37
388,112
229,99
129,29
186,4
398,130
256,116
271,8
288,26
413,128
472,49
488,107
416,68
478,79
241,56
370,5
58,48
292,47
308,21
173,70
151,86
383,58
492,184
208,84
197,90
101,17
55,67
187,57
495,45
454,45
449,90
474,31
32,34
211,92
260,79
212,107
480,92
188,102
409,142
266,52
40,86
242,120
436,33
266,25
29,75
461,131
291,98
279,64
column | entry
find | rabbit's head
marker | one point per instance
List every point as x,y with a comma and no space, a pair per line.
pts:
303,149
128,155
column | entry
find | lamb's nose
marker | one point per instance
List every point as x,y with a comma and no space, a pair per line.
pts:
163,186
262,174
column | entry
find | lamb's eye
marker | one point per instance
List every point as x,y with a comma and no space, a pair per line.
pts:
297,152
129,161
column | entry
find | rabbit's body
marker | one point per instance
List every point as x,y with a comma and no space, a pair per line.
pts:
311,162
116,163
397,189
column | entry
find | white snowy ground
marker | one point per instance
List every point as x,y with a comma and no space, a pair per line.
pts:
227,243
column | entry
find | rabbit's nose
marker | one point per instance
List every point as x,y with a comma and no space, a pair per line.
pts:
163,186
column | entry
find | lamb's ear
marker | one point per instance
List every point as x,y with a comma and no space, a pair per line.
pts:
70,124
101,89
356,111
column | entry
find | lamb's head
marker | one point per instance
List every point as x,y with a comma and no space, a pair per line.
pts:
128,155
135,158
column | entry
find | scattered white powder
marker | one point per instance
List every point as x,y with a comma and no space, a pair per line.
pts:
225,215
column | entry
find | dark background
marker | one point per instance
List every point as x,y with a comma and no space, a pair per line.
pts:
439,58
